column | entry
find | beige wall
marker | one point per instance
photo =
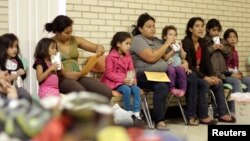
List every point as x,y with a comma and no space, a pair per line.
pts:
3,16
98,20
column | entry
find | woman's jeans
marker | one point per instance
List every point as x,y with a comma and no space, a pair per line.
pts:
127,92
196,97
218,91
160,90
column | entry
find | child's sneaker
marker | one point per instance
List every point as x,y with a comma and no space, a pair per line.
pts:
137,115
174,92
181,93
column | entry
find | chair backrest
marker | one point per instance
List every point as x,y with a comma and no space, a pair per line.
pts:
100,65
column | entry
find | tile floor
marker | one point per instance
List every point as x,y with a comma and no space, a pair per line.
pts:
192,133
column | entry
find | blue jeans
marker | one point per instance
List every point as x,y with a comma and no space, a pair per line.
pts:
220,98
196,97
127,92
160,90
246,81
236,84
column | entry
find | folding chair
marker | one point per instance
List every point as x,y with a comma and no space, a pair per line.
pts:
179,104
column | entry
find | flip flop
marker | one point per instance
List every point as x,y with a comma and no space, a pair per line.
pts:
162,126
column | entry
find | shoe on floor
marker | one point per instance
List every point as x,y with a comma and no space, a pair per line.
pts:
174,92
193,121
162,126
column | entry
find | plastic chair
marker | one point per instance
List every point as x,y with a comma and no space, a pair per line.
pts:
100,68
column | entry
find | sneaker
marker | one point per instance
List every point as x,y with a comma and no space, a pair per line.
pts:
174,92
137,115
181,93
138,121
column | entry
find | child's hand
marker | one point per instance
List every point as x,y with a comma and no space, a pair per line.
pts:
216,46
53,67
220,46
128,82
20,72
237,75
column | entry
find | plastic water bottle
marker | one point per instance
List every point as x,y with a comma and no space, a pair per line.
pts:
210,111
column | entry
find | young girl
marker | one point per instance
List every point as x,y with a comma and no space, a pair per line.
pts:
219,50
46,72
232,61
174,56
9,59
118,63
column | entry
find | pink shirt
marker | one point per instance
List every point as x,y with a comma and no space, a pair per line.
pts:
116,68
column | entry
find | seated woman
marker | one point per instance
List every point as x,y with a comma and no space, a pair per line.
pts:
199,62
71,78
147,52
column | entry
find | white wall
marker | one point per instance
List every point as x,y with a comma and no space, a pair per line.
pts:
27,19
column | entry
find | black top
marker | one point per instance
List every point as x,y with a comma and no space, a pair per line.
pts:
206,68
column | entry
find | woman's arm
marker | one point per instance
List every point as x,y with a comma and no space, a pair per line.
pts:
153,55
89,46
166,56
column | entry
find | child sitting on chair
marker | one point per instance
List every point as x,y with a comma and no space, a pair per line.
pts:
118,76
174,55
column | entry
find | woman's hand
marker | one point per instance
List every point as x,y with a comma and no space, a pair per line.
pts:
185,66
73,75
99,50
215,80
5,75
209,80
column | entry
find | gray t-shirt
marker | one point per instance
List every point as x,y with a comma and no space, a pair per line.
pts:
140,43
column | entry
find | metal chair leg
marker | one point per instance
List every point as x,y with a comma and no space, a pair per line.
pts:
213,97
169,101
148,119
148,112
179,103
182,112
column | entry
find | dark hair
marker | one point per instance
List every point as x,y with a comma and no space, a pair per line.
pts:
228,31
213,23
119,37
191,23
42,48
166,29
59,24
140,23
6,41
